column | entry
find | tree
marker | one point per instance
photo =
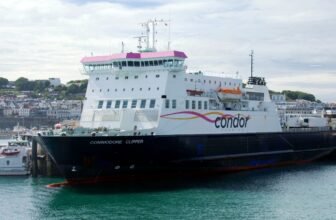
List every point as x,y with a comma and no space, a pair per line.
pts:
22,84
3,82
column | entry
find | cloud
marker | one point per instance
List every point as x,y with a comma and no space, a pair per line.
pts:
47,38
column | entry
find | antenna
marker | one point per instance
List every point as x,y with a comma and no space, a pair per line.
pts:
148,25
140,41
122,46
251,55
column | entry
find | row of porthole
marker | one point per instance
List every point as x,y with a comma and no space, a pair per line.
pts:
135,77
124,90
199,80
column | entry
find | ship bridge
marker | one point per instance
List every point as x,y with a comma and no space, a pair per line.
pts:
170,60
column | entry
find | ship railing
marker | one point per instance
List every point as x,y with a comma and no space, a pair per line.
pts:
307,129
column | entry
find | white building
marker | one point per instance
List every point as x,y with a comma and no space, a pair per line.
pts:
55,82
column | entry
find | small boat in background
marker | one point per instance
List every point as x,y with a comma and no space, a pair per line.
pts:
15,158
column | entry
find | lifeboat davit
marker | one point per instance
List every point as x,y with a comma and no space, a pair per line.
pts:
229,93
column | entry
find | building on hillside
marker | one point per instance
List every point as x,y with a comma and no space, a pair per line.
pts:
55,82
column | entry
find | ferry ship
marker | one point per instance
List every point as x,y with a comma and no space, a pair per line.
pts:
145,115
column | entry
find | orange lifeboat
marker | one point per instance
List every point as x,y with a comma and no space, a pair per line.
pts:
229,93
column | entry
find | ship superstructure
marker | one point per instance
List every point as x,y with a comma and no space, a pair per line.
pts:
152,90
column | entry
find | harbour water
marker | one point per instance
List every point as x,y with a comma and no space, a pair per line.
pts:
296,192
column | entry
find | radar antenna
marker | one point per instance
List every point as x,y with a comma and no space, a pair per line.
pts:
149,26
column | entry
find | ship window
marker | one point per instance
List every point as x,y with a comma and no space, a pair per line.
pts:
160,62
191,80
125,103
185,79
146,76
116,77
170,63
134,103
143,103
97,78
108,104
124,89
116,90
187,104
209,81
230,83
158,88
152,103
115,64
136,63
174,103
7,162
142,63
148,88
199,104
193,104
157,76
106,78
92,90
151,63
146,63
130,63
117,104
100,90
205,105
140,89
123,63
258,96
204,81
156,63
215,82
167,103
108,90
100,104
132,89
174,76
126,77
135,77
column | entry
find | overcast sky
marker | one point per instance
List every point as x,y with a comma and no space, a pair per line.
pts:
294,41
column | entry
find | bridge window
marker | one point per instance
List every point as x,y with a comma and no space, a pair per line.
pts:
136,63
174,103
187,104
146,63
125,103
123,63
108,104
100,104
130,63
117,104
258,96
143,103
134,103
160,62
152,103
156,63
151,63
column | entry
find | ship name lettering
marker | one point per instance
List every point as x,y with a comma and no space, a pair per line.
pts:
137,141
106,142
232,122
